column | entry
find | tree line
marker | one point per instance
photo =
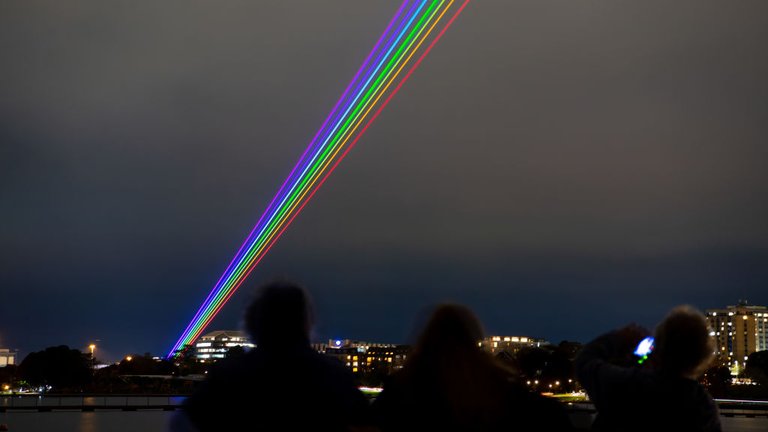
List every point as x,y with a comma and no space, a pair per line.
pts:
63,370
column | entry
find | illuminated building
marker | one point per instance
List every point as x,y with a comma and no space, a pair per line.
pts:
386,359
509,344
366,357
738,331
216,344
7,357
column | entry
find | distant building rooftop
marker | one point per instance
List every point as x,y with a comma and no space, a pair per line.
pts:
494,344
221,334
216,344
7,357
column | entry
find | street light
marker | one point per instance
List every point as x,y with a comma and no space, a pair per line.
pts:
93,359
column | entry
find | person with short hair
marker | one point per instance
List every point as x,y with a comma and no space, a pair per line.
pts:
282,384
660,394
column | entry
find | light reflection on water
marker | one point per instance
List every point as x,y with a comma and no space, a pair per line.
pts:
156,420
88,422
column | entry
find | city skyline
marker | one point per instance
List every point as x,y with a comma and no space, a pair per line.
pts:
562,169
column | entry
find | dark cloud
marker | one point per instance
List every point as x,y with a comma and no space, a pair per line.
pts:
561,166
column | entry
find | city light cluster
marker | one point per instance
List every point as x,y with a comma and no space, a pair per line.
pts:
415,29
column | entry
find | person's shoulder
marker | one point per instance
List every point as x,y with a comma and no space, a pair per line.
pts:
693,405
686,387
699,393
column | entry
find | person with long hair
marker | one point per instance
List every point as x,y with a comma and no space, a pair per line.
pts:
450,384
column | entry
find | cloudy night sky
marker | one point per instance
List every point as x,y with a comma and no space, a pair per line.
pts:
563,167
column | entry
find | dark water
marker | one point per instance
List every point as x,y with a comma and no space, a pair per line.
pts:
149,421
78,421
581,422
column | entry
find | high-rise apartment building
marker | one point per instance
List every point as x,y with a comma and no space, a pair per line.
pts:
739,331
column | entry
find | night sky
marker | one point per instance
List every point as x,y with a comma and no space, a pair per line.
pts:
563,167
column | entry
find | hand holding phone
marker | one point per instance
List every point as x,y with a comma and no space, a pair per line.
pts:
644,349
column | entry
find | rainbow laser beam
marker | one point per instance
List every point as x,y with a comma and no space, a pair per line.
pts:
360,104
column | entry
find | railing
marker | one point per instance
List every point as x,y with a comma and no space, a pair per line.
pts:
727,408
581,411
746,408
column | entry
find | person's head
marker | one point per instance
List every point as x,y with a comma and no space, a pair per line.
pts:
450,328
447,364
683,344
280,313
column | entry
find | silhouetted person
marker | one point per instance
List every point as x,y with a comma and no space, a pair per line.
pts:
450,384
662,394
282,384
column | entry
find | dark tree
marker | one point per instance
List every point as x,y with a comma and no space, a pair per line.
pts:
9,375
145,365
373,378
757,367
559,368
186,362
717,380
551,365
532,361
62,368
